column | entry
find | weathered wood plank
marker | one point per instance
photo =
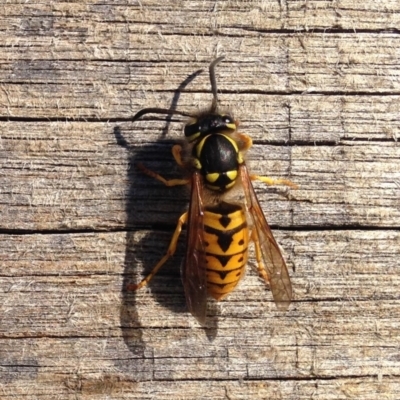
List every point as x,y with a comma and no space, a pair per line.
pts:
61,302
81,22
111,89
81,180
308,118
90,387
316,85
343,270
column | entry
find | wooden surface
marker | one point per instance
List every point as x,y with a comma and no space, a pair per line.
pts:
317,86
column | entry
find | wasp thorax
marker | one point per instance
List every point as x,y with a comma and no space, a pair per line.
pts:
209,123
217,157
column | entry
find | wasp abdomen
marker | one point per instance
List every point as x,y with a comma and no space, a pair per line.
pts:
226,239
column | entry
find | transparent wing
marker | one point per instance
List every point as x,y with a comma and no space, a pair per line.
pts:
274,262
193,270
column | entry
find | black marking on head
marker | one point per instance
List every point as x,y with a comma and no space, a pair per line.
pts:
210,123
191,129
214,123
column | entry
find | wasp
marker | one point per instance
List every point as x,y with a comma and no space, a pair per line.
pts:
224,213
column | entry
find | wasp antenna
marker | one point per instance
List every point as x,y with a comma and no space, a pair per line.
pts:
159,111
214,83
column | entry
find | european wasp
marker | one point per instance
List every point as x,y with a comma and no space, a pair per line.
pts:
222,197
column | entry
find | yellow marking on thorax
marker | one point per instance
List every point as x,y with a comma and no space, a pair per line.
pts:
232,175
229,185
212,177
234,144
199,146
196,163
193,136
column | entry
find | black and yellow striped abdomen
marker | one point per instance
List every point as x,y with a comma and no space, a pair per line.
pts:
226,239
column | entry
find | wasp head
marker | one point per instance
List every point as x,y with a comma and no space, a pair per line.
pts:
209,124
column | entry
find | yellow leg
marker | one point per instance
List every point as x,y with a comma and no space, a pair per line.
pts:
271,181
245,145
166,182
176,152
246,141
170,252
260,263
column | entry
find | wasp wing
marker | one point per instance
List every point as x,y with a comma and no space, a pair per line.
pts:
274,262
193,270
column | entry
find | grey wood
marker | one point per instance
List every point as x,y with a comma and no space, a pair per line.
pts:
316,84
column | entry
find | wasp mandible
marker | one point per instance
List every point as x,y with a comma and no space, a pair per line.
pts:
219,230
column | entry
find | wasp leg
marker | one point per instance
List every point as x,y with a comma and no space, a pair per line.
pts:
260,264
246,141
176,152
166,182
271,181
170,252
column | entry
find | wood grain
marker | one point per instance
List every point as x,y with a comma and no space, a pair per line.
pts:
316,84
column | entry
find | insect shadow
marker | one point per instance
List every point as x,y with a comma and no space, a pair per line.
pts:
154,207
